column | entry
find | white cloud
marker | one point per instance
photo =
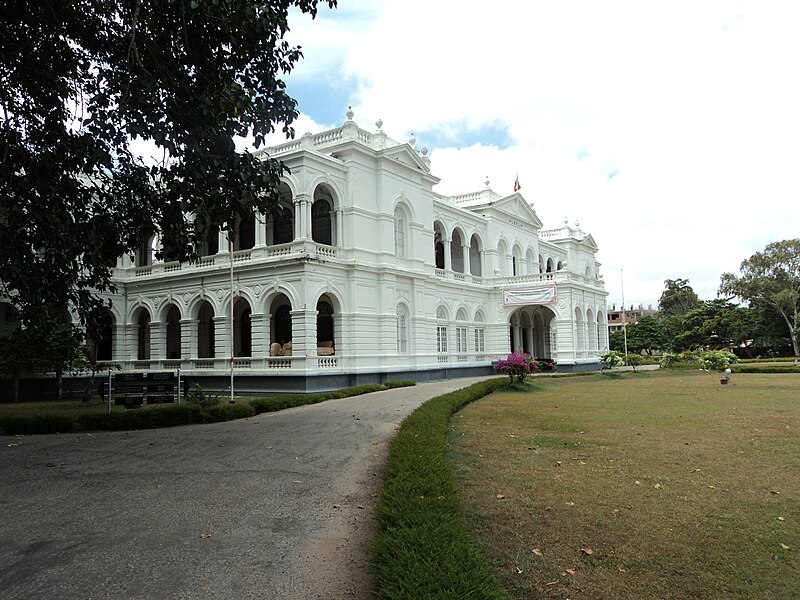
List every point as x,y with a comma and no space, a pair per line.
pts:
691,106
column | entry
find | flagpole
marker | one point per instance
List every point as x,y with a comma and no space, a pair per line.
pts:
230,260
624,324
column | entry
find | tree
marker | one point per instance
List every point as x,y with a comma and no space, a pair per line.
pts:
647,334
773,278
677,298
79,81
715,324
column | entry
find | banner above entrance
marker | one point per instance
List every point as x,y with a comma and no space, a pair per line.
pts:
545,295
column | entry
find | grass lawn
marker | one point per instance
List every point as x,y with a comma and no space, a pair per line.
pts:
643,485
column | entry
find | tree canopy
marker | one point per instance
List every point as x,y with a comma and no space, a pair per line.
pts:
79,81
771,277
677,298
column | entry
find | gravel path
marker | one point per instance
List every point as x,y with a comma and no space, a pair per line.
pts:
277,506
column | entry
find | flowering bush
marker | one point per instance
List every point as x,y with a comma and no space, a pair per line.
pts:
517,364
611,359
717,360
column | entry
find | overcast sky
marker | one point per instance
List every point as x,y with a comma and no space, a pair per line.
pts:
669,130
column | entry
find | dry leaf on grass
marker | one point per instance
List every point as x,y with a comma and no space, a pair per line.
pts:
538,552
571,571
587,551
781,519
500,496
205,536
784,546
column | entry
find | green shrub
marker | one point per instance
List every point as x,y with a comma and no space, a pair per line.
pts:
765,369
32,424
198,397
399,383
633,360
421,549
610,359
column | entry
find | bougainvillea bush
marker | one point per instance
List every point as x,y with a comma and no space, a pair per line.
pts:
517,364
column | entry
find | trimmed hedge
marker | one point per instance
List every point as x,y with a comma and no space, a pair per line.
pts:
274,403
171,415
422,549
765,369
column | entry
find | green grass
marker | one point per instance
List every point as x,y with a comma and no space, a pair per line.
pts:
421,548
678,486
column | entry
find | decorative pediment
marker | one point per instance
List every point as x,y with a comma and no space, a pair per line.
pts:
513,207
405,154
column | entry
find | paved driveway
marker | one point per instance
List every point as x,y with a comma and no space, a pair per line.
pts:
277,506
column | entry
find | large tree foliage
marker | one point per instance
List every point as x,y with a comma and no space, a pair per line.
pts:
715,324
79,79
771,277
645,335
678,297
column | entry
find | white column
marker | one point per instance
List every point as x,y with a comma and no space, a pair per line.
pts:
261,229
222,337
339,241
259,330
465,258
447,246
158,340
188,338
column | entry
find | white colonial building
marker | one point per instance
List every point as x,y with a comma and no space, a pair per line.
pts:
365,274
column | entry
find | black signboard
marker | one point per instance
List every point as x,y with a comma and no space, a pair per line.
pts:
132,389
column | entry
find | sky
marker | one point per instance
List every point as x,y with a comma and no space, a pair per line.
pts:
669,130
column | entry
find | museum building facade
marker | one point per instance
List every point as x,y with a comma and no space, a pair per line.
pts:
365,274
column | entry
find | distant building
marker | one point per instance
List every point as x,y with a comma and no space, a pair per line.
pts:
631,315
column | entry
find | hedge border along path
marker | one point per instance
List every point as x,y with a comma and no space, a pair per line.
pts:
173,415
421,548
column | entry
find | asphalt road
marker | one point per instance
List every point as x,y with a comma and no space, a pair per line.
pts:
277,506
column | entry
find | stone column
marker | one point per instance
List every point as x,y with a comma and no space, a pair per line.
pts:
339,241
158,340
261,229
188,338
465,258
447,262
222,337
259,333
304,332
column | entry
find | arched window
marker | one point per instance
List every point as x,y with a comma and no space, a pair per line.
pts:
439,250
283,324
321,222
399,233
246,235
242,328
549,265
143,335
146,253
402,329
283,225
457,253
174,333
480,333
324,322
461,331
441,331
475,257
205,331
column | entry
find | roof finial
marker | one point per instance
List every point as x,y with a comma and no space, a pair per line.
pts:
486,183
379,124
349,114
